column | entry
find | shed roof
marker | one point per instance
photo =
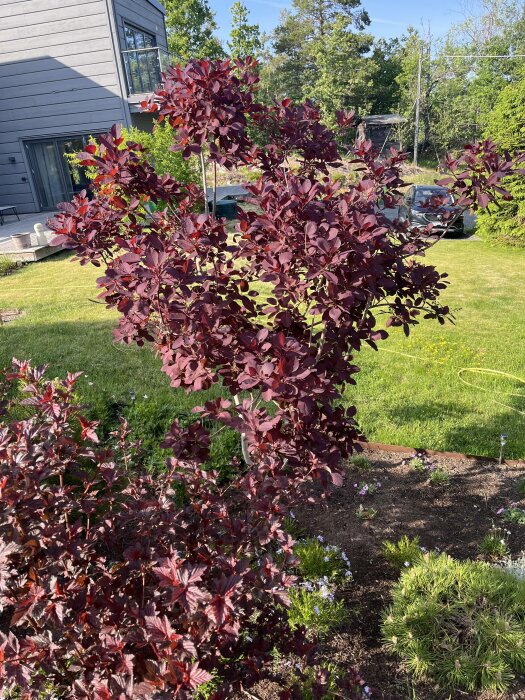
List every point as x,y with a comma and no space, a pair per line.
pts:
383,119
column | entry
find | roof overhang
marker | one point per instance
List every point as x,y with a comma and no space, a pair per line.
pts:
383,119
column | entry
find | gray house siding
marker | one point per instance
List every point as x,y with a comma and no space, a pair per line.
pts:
61,74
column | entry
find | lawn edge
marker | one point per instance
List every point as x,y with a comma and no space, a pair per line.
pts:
400,449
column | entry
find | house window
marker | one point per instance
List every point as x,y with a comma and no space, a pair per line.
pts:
141,60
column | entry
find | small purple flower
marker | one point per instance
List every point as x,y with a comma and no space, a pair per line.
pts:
320,538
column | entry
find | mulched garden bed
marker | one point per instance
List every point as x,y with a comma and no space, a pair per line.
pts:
452,518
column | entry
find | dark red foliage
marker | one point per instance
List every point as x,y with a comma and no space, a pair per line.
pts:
290,130
275,313
477,174
113,589
208,103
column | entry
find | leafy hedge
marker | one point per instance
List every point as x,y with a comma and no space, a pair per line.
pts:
505,222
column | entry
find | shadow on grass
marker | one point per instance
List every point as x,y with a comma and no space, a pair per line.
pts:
118,380
467,432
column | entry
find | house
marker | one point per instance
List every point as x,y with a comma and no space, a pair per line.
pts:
70,69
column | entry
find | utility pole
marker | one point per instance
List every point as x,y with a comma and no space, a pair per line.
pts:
418,101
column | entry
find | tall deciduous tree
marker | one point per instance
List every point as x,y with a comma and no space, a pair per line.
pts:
191,26
320,55
245,38
463,75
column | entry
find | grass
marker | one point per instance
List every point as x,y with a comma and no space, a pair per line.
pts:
408,393
412,393
63,326
403,553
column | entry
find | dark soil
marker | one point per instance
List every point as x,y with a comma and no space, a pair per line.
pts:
452,518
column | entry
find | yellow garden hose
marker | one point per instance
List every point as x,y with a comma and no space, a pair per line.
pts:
475,370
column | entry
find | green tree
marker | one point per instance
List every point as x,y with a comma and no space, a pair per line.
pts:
191,25
506,126
343,72
158,148
383,93
320,53
245,38
459,90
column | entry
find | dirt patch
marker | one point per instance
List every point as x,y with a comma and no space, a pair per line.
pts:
10,315
452,518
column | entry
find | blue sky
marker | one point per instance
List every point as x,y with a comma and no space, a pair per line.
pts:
389,17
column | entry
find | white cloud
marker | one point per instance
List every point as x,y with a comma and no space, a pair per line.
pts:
393,22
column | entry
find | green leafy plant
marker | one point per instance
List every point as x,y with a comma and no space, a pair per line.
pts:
493,545
367,488
402,554
292,527
513,514
207,690
521,488
315,608
7,265
417,463
366,513
318,560
361,463
459,624
439,477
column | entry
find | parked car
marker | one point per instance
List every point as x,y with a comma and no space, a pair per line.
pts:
416,211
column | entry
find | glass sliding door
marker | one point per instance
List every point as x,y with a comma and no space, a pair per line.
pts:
55,178
47,174
75,175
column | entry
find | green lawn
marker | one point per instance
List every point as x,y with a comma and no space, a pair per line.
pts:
408,393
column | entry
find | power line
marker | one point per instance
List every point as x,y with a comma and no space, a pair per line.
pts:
482,55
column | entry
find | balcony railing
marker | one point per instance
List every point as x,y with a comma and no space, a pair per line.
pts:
143,68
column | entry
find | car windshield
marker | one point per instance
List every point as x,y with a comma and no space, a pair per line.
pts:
424,195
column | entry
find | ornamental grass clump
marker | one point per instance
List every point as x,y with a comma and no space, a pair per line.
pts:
460,624
403,553
493,545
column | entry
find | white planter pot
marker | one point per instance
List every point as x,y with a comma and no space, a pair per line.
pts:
21,241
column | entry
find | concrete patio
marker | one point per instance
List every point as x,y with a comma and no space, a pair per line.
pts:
13,227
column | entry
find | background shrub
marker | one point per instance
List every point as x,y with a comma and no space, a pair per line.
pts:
459,624
7,266
505,221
